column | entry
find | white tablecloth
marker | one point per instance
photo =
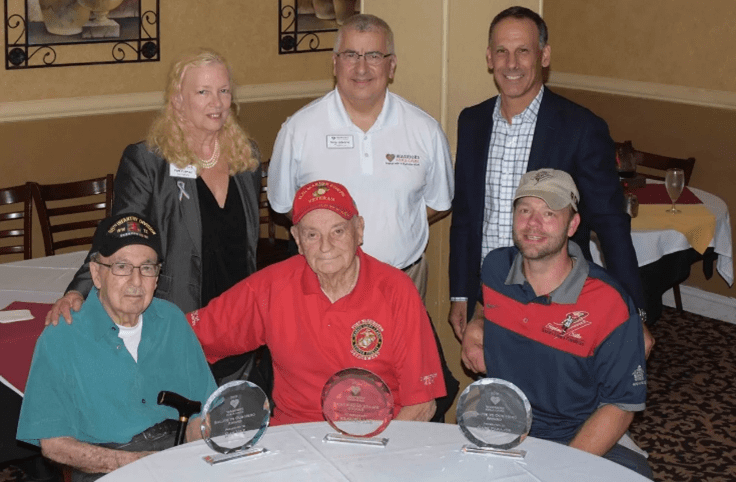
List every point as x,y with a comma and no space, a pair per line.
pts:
651,245
416,452
40,280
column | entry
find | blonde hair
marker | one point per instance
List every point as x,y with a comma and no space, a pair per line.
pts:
168,139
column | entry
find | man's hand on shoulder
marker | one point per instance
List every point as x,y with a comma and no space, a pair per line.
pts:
72,300
472,352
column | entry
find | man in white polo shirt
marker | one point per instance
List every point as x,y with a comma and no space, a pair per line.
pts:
392,156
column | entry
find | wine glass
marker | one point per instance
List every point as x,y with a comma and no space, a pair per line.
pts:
674,181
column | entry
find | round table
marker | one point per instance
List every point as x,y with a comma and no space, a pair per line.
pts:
415,451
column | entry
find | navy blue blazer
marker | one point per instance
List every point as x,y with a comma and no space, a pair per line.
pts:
568,137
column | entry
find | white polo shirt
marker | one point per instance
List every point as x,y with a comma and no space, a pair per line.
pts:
393,171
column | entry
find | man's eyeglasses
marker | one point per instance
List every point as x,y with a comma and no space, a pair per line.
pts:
149,270
371,58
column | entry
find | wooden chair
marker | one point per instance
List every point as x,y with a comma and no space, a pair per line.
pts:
9,219
64,208
655,162
270,248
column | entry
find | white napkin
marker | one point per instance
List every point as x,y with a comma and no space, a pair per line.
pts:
15,315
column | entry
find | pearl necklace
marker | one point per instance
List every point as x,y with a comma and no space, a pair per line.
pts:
212,161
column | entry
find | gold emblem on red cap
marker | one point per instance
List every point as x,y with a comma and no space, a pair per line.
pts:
320,190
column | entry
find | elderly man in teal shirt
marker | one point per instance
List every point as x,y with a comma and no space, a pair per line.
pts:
91,397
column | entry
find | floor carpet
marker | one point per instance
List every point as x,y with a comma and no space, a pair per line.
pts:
689,426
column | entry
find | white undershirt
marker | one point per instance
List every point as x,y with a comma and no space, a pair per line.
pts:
131,336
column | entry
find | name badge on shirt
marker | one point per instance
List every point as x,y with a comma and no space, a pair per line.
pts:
339,142
189,172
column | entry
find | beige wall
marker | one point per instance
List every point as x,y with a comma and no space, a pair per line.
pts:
657,73
245,32
676,42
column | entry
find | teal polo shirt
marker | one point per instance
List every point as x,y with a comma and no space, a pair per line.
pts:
85,384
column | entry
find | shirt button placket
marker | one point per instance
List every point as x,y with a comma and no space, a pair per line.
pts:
366,158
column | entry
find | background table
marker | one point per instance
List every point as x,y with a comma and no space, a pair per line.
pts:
38,280
665,255
416,451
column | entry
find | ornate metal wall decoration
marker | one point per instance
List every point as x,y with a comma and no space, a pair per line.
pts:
310,25
56,33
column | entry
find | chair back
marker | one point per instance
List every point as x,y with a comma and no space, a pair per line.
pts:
656,165
72,208
266,216
270,248
16,204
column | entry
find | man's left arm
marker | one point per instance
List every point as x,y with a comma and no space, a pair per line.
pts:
421,412
602,205
620,377
602,208
602,430
440,181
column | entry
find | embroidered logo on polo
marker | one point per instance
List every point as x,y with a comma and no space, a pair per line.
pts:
366,339
568,328
639,378
402,160
428,379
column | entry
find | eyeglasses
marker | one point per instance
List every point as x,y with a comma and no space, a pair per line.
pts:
148,270
372,58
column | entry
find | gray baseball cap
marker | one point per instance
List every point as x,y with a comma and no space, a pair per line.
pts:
554,187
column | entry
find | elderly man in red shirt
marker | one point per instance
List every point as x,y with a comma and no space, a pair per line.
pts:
330,307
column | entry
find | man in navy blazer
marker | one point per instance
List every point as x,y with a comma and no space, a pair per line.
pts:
566,136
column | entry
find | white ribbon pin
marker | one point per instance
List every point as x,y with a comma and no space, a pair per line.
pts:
182,192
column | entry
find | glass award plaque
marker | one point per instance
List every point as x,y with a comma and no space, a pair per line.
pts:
359,405
495,416
234,419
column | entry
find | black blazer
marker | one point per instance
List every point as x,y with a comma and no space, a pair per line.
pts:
143,185
567,137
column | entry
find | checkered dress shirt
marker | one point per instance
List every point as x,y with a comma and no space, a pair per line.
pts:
508,157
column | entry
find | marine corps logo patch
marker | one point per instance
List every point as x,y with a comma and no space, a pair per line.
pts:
366,339
321,190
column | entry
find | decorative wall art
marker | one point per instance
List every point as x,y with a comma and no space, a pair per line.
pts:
310,25
56,33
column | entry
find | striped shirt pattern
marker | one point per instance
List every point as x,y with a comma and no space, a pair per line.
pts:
508,157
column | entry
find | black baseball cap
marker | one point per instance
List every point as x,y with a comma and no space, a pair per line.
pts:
123,230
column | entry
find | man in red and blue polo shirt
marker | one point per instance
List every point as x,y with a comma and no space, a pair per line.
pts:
560,328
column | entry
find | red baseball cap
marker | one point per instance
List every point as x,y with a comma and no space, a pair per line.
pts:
323,195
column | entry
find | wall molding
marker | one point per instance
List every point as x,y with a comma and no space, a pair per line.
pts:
704,303
647,90
147,101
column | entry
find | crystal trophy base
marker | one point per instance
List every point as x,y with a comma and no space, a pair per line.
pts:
219,458
349,439
474,449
